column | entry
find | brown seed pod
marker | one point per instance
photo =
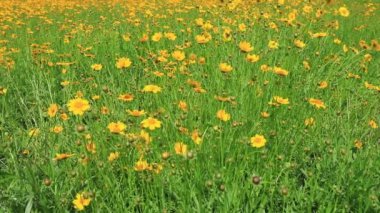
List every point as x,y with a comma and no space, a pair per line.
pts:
256,180
47,182
81,128
165,155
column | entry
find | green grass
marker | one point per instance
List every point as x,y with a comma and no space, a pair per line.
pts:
302,168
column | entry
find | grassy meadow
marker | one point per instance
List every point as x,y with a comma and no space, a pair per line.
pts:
189,106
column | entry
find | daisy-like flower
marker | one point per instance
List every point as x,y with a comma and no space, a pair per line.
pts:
52,110
317,103
343,11
178,55
117,127
245,46
81,201
62,156
258,141
252,58
78,106
136,113
373,124
113,156
123,63
141,165
300,44
273,45
127,97
151,123
280,100
225,68
152,88
180,148
96,67
223,115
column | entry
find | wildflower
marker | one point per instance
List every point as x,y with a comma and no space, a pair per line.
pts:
3,90
373,124
280,71
180,148
141,165
52,110
113,156
123,63
252,58
182,105
170,36
96,67
265,114
280,100
299,43
57,129
309,121
81,201
223,115
358,144
224,67
117,127
178,55
145,137
34,132
156,37
62,156
323,85
273,45
197,139
78,106
317,103
258,141
151,123
136,113
127,97
152,88
245,46
343,11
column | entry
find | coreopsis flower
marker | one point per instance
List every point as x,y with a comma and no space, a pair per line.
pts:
245,46
152,88
141,165
178,55
156,37
225,68
127,97
123,63
78,106
113,156
136,113
117,127
273,44
96,67
81,201
151,123
373,124
265,114
52,110
3,91
145,137
183,106
34,132
62,156
197,139
323,84
223,115
57,129
280,71
252,58
280,100
358,144
258,141
180,148
343,11
170,36
317,103
300,44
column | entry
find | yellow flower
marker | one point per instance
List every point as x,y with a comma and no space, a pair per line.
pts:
170,36
323,85
273,44
123,63
81,201
280,100
78,106
252,58
96,67
309,122
52,110
182,105
141,165
117,127
280,71
265,114
178,55
180,148
126,97
145,136
196,137
317,103
62,156
245,46
358,144
258,141
57,129
151,123
224,67
373,124
152,88
299,43
3,91
343,11
223,115
136,113
113,156
157,37
34,132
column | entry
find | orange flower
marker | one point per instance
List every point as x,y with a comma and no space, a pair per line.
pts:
52,110
117,127
62,156
317,103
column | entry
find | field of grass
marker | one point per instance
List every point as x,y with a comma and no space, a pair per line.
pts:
189,106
